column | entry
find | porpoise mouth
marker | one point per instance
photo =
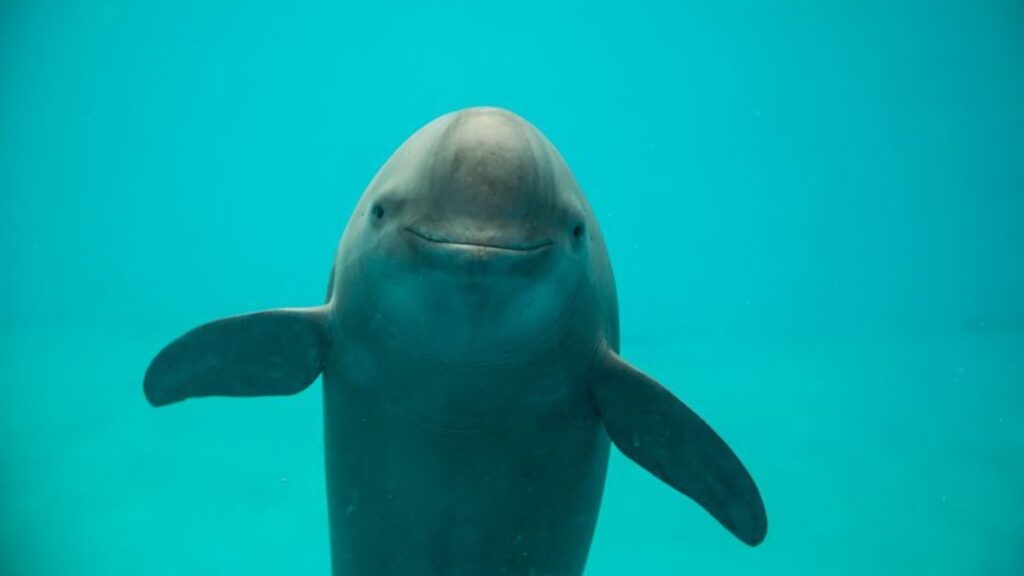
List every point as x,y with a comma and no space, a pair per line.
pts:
490,247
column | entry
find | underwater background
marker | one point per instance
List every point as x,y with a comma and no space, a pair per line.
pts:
814,210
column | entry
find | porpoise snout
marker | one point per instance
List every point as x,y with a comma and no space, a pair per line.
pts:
489,187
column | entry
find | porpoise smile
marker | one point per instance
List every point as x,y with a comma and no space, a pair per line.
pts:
480,246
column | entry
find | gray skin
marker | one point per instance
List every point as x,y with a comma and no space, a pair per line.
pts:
471,376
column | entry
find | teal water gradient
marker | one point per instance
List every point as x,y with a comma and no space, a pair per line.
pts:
815,214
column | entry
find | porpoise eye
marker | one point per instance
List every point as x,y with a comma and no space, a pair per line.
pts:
577,232
377,211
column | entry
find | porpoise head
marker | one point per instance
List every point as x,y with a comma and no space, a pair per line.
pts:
473,242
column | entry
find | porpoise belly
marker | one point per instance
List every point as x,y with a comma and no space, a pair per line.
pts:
409,498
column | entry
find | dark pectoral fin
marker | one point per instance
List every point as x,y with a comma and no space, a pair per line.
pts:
656,430
276,352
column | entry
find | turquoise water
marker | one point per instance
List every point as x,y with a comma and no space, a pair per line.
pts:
815,215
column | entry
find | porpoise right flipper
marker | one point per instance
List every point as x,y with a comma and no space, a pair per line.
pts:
276,352
657,431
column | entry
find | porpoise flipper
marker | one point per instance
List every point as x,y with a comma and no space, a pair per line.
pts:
270,353
657,431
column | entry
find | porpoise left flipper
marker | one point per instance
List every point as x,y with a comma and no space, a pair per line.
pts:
657,431
270,353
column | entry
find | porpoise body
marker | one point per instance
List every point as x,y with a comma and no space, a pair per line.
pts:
471,378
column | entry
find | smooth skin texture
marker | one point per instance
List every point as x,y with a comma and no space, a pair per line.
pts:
471,377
